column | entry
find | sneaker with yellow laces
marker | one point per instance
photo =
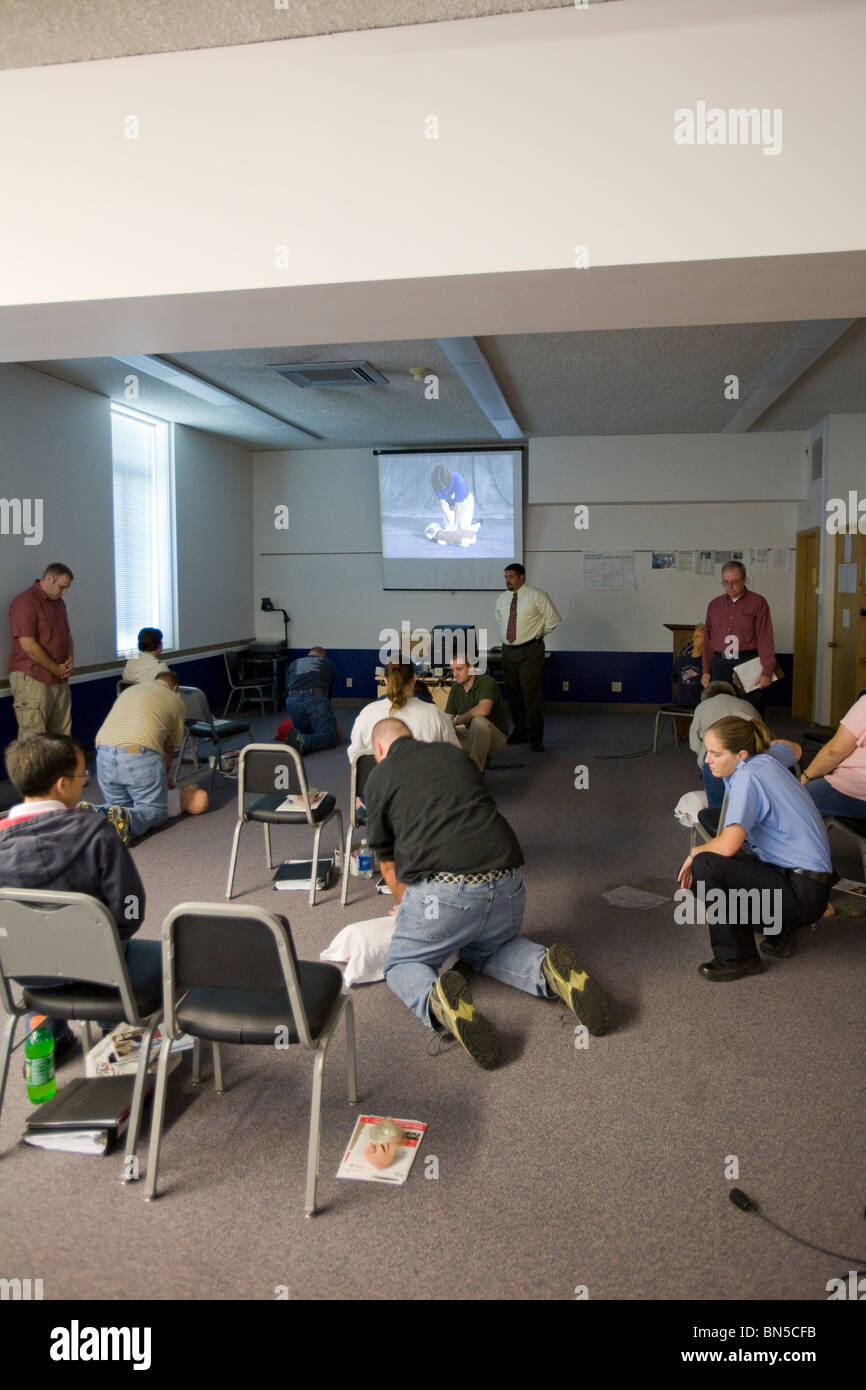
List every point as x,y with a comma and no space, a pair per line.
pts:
451,1003
119,817
564,975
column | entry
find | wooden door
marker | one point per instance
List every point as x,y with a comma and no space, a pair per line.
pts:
805,625
849,626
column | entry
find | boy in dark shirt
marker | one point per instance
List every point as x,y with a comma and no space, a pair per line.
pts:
46,842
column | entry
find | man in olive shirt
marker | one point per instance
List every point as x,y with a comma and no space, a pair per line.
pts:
453,863
478,712
135,750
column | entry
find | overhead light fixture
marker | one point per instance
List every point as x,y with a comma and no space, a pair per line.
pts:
213,395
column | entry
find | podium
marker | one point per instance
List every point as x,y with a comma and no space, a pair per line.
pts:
682,634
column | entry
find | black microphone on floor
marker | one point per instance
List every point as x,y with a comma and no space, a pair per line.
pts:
739,1199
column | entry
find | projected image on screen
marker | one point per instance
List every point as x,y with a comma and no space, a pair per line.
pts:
446,505
445,510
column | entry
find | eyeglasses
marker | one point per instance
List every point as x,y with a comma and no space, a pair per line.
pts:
83,777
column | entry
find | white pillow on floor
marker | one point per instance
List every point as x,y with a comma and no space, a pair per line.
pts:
364,946
686,809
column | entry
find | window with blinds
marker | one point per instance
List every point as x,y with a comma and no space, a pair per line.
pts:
144,549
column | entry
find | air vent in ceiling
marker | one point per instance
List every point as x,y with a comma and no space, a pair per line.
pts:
330,374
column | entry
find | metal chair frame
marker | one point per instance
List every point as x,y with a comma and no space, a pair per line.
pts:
281,934
199,712
241,687
289,760
357,777
74,937
673,715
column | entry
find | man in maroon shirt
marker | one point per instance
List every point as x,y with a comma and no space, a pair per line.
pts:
41,660
738,627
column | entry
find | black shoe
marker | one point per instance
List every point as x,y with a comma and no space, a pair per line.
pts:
295,740
537,746
570,981
63,1046
451,1003
724,970
517,736
777,947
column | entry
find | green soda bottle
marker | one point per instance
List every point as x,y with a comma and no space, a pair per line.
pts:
39,1063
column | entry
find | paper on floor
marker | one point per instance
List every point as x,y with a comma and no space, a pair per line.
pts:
633,897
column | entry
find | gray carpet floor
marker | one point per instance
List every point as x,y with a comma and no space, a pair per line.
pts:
603,1167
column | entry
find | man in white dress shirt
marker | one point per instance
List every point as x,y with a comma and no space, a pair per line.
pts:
525,617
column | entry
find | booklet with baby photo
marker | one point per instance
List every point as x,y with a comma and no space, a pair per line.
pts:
295,802
377,1152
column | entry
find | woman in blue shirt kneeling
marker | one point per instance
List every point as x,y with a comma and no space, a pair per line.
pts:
790,868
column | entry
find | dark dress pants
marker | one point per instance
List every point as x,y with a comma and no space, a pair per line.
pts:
802,901
523,668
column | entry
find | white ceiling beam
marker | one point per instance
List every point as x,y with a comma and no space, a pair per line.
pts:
809,343
474,371
214,395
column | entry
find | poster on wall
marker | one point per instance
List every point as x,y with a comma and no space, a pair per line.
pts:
664,559
705,564
608,569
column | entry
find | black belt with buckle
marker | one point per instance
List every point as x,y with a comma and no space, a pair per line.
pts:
513,646
819,878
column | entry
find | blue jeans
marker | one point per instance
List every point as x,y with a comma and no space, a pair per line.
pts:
480,920
829,802
138,781
713,786
313,717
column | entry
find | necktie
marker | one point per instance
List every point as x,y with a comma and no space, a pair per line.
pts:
511,630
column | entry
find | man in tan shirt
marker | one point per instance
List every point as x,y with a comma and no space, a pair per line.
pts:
135,749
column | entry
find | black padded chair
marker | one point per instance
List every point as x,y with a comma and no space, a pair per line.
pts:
243,688
200,723
360,770
820,734
853,829
74,939
711,822
271,772
231,975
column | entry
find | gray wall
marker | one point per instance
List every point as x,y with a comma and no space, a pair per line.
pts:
213,486
55,444
644,493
